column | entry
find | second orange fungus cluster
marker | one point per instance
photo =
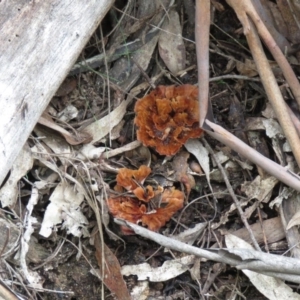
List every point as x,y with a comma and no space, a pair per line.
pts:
167,117
136,208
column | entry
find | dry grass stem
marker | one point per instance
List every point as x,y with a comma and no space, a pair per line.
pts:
232,194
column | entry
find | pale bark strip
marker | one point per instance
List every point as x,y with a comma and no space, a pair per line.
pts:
202,49
39,43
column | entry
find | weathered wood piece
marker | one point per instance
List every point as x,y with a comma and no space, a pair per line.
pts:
39,43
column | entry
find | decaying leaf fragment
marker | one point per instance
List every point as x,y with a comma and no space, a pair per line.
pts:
73,139
270,287
170,269
9,191
110,270
170,44
180,166
136,209
64,208
167,117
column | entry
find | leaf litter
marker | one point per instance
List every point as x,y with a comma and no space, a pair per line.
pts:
66,185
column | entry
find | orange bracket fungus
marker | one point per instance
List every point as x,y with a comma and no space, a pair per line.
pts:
167,117
136,209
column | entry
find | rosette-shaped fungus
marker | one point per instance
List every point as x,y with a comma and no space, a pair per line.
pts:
132,180
167,117
135,209
173,199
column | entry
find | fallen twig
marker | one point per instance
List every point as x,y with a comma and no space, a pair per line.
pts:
247,14
245,8
281,173
285,268
273,92
202,50
232,194
220,133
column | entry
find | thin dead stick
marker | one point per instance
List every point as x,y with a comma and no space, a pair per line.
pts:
263,229
127,147
281,173
295,120
282,267
245,8
272,90
202,49
232,194
221,134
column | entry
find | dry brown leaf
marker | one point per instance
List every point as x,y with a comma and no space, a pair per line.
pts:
68,85
270,287
247,68
69,113
272,18
289,14
260,189
170,269
170,44
100,128
112,277
180,166
196,148
294,221
72,139
10,191
270,229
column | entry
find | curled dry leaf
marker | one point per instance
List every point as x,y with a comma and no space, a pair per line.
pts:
180,166
168,117
110,268
80,137
169,269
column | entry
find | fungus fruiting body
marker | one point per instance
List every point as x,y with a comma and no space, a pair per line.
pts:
136,208
167,117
